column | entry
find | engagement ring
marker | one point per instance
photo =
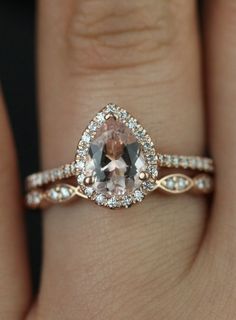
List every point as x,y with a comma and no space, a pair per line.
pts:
116,165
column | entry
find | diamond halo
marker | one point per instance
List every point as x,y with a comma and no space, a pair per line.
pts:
124,124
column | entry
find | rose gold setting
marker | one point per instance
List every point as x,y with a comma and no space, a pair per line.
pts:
172,184
51,186
144,175
164,161
88,181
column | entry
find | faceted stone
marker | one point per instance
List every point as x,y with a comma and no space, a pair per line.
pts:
79,165
138,195
148,185
89,191
86,137
34,198
112,202
92,126
182,183
127,201
65,192
170,184
80,178
153,171
53,194
132,123
100,118
100,199
115,159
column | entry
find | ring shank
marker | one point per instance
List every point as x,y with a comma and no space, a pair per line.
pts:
176,183
196,163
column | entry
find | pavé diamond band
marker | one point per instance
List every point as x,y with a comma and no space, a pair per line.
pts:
116,165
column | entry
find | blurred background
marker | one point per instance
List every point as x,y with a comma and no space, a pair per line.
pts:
17,74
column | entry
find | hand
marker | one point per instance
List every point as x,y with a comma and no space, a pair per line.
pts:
170,257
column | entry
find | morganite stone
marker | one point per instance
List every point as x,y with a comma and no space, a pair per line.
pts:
115,159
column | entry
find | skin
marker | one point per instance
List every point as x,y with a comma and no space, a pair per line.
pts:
169,257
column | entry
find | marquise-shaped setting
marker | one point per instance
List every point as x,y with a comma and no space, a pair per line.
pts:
116,162
175,183
60,193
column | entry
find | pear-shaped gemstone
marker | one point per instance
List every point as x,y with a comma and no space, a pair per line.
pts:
115,159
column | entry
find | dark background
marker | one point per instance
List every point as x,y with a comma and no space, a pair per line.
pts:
17,75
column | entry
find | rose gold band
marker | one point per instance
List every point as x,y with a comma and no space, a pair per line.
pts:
173,184
40,179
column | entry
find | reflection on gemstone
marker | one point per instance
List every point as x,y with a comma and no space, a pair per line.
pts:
115,159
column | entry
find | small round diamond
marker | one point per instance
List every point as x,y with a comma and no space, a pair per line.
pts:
37,180
138,195
123,114
182,183
72,167
148,146
184,162
127,201
205,165
80,178
53,194
100,199
199,164
175,161
67,170
46,177
161,158
170,184
167,160
111,107
100,118
79,165
193,163
89,191
203,183
81,152
34,198
140,133
152,158
148,185
153,171
65,192
200,184
92,126
86,137
132,123
112,203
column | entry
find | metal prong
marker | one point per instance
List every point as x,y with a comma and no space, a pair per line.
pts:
110,115
143,176
88,181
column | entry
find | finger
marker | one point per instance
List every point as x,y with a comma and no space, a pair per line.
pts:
139,54
14,273
220,45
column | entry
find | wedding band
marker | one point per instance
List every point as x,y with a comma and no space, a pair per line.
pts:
116,165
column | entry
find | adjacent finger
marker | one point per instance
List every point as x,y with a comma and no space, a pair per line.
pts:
14,273
143,55
220,51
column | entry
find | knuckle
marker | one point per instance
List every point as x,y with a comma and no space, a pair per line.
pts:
105,35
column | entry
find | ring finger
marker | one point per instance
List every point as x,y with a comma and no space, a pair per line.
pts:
143,55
